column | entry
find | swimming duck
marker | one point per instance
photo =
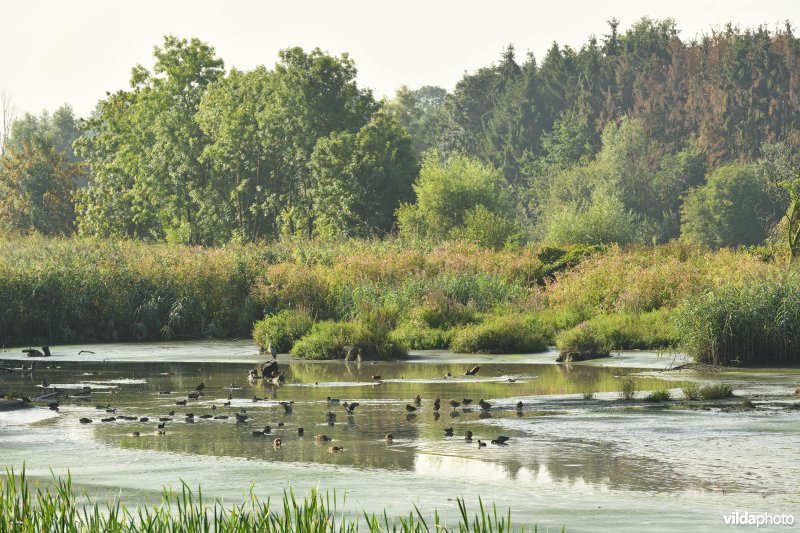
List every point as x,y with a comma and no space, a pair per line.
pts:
519,405
501,439
418,400
388,438
85,420
322,438
468,436
300,432
481,444
448,432
333,401
287,406
410,408
135,434
484,404
335,449
266,431
200,387
180,402
376,377
277,443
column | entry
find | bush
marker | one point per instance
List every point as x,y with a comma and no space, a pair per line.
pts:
441,312
716,392
326,340
500,334
583,342
627,388
629,331
691,391
419,336
604,221
658,395
282,329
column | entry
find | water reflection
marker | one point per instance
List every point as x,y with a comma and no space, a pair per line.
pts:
555,440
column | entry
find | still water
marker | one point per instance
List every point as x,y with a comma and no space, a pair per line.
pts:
595,464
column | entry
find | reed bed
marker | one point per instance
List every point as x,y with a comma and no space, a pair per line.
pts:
24,508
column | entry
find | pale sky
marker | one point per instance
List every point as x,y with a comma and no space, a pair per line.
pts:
54,52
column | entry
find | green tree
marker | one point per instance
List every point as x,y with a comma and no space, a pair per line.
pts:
36,186
733,208
603,220
422,113
447,190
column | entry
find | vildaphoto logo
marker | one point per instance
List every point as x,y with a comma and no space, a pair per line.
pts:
746,518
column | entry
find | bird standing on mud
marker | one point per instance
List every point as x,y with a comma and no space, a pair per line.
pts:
272,351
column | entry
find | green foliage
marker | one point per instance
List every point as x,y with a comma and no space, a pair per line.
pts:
716,392
447,191
629,331
441,312
733,208
36,186
282,329
604,220
752,324
500,334
585,341
58,131
418,335
22,509
326,340
691,391
658,395
627,388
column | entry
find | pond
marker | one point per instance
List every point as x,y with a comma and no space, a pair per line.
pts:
597,464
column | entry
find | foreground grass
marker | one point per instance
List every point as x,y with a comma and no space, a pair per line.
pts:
42,510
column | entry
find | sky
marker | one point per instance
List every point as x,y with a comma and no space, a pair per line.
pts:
56,52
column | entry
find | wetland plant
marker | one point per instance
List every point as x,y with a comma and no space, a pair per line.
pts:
691,391
627,388
658,395
43,509
716,392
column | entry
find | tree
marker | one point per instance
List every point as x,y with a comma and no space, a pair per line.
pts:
447,190
422,113
8,114
733,208
36,186
361,179
604,220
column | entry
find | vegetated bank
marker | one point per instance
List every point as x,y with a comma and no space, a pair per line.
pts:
380,298
24,509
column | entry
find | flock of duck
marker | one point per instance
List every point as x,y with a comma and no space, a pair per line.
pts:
270,373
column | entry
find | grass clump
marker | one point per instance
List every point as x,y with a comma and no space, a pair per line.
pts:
750,324
366,337
282,329
420,336
43,509
500,334
627,388
637,331
691,391
716,392
659,395
582,342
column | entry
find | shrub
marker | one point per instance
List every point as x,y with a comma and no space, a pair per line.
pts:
419,336
500,334
629,331
583,342
282,329
658,395
627,388
691,391
716,392
440,312
333,340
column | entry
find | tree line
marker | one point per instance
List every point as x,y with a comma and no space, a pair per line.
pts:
637,136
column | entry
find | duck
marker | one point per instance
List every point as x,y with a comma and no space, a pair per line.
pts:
109,419
85,420
330,416
300,432
417,400
350,407
160,432
277,443
266,431
376,377
333,401
200,387
240,418
484,404
135,434
194,395
206,416
322,438
436,403
519,405
472,371
221,417
180,402
481,444
501,439
454,404
144,419
410,408
388,438
448,432
161,425
335,449
468,436
287,406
